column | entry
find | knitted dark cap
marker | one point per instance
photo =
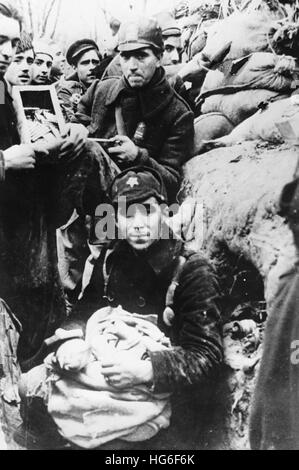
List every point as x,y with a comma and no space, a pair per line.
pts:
78,48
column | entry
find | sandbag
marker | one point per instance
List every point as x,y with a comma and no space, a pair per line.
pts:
198,39
267,125
269,71
209,126
261,70
247,32
214,80
238,106
197,43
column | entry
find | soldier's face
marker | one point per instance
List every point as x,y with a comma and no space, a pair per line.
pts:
9,38
59,61
86,67
139,66
172,50
140,225
41,69
20,70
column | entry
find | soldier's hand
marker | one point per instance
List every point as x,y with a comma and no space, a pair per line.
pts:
124,150
123,371
73,355
19,157
75,140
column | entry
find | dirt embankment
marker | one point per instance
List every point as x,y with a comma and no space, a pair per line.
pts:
241,231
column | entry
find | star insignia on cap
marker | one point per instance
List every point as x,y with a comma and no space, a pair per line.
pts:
133,181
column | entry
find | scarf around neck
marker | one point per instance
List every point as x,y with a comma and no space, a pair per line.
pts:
146,102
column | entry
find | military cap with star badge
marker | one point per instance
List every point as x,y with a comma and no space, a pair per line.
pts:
137,184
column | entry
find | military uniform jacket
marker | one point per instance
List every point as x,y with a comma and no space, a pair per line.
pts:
139,283
70,91
166,140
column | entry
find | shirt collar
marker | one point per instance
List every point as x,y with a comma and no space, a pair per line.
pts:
159,256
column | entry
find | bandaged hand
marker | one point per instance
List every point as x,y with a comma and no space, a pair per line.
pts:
124,151
75,136
123,371
73,355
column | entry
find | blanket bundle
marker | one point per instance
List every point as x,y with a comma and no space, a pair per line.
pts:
86,408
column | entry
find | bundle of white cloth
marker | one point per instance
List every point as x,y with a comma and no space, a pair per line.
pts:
86,408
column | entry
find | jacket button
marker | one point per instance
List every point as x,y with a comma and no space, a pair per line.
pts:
111,297
141,302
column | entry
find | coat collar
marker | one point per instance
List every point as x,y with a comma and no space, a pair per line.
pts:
74,78
152,99
160,256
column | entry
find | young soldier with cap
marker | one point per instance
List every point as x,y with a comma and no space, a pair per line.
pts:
172,40
172,56
147,122
84,56
43,62
147,271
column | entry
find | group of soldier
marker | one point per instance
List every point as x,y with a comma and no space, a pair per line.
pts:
129,130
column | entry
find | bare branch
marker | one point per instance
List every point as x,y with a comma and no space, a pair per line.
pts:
56,19
46,17
30,15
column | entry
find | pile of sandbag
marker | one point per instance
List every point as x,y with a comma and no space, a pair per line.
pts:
259,78
251,81
247,33
278,123
227,101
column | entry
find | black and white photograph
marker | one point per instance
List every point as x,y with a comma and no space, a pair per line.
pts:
38,111
149,227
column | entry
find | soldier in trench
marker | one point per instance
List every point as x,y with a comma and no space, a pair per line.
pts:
150,272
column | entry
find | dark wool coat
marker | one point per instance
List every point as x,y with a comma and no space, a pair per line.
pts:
139,282
275,413
29,281
167,140
114,70
68,90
